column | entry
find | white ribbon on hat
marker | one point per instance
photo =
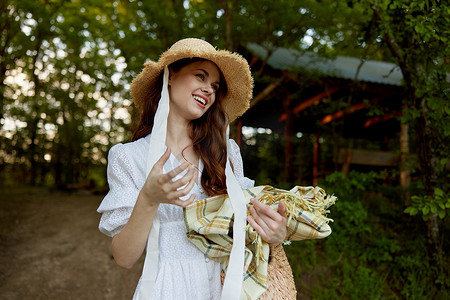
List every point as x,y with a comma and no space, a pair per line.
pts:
155,151
232,286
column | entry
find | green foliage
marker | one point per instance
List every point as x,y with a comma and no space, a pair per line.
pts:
370,253
78,58
60,112
428,206
416,33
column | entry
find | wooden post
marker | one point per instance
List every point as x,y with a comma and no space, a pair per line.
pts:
315,159
347,161
405,179
288,135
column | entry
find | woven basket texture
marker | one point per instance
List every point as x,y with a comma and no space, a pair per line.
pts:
280,280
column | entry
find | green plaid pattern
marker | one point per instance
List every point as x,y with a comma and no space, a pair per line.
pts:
209,224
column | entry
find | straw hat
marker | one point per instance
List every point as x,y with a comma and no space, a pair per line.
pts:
233,66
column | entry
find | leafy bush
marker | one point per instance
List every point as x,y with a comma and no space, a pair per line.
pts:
376,251
427,205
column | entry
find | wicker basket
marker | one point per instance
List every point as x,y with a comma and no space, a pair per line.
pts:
280,281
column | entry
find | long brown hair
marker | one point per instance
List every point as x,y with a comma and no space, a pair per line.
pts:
208,133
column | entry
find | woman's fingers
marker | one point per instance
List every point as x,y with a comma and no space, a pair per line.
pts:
166,188
255,226
267,213
182,203
270,224
162,160
184,191
259,219
282,209
188,182
168,177
185,179
173,190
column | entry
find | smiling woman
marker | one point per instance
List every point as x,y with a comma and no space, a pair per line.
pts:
180,153
186,100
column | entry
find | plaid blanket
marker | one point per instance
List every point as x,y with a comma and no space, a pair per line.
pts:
209,224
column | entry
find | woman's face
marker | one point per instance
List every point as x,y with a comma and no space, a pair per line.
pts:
193,88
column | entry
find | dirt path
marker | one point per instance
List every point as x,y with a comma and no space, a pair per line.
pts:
50,248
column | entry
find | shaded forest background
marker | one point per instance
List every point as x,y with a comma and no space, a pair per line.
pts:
65,73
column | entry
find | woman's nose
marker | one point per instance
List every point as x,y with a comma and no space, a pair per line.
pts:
207,89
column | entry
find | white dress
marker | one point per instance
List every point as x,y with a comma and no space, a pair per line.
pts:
183,271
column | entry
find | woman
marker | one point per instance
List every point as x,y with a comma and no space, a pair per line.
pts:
205,90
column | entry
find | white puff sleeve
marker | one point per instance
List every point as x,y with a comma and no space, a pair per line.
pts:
238,167
118,204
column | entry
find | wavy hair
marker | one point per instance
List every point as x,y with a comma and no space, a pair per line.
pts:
208,133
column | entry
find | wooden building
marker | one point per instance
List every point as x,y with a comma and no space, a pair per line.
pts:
301,92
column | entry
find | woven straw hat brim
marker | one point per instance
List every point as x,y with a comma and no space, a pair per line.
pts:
233,66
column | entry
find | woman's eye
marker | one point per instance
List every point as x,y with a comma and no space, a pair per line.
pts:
215,87
201,76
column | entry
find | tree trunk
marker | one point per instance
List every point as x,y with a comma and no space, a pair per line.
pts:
425,153
57,164
35,105
32,151
226,12
412,75
434,236
405,179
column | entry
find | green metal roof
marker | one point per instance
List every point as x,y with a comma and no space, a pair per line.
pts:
340,67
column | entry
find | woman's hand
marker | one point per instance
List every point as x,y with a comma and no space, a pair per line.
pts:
160,188
270,224
128,245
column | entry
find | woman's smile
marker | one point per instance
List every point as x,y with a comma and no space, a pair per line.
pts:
201,100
